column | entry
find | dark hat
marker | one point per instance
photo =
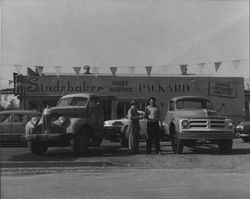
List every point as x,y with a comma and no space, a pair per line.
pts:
132,102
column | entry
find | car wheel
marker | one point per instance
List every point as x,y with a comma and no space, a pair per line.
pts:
177,144
81,144
225,146
38,148
246,139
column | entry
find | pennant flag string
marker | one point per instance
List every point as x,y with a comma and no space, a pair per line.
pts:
201,66
183,69
77,70
148,69
236,64
113,70
217,65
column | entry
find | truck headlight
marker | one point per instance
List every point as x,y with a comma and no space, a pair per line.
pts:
61,120
185,124
35,120
239,127
230,124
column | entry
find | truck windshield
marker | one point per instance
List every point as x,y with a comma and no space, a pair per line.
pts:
72,101
194,104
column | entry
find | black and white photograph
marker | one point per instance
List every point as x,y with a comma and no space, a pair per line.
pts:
120,99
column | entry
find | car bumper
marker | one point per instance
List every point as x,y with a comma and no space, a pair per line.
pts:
111,132
206,135
52,137
243,135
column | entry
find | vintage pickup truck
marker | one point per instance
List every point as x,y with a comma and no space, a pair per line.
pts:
77,120
190,119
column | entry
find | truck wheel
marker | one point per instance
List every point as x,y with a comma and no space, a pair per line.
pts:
81,144
177,145
124,142
96,142
38,148
225,146
246,139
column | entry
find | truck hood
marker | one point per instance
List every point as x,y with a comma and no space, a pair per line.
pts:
197,113
66,110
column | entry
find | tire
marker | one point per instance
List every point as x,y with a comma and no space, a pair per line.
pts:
81,143
177,144
124,142
38,148
225,146
246,139
96,142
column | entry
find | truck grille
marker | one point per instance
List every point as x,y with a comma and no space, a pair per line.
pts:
46,124
206,123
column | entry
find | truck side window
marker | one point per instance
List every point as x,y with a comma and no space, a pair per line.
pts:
171,106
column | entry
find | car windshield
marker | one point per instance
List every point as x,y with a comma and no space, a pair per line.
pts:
194,104
73,101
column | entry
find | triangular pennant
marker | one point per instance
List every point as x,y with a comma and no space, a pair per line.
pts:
58,70
30,72
113,70
217,65
10,82
236,64
183,69
148,69
96,71
77,70
39,70
131,70
201,66
18,68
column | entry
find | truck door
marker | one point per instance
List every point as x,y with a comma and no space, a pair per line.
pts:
169,113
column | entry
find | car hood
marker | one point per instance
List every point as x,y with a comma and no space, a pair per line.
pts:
197,113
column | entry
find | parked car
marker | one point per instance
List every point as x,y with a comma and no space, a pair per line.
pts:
192,118
117,129
12,126
76,121
243,131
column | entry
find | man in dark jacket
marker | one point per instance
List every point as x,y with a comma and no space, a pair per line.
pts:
153,130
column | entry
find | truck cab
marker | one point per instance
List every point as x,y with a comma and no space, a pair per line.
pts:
190,119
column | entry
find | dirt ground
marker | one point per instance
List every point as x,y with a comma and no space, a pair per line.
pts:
200,172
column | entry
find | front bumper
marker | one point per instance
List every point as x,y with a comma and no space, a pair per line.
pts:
200,135
111,132
52,137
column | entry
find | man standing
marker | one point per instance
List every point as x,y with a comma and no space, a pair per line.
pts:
153,129
133,127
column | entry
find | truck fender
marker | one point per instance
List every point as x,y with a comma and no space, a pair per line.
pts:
76,124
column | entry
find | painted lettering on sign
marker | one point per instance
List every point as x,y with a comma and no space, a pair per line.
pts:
173,88
35,86
119,86
222,89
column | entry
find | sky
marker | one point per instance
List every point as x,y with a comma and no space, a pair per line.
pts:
123,33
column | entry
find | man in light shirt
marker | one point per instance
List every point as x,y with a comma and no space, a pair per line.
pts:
153,130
